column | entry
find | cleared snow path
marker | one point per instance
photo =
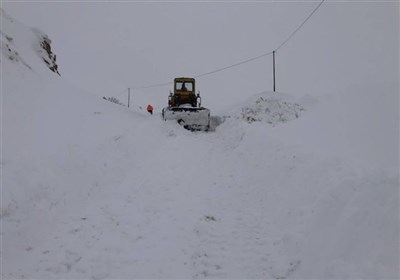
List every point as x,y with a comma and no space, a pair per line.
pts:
154,200
92,190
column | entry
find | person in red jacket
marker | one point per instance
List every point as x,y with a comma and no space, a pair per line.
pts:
150,109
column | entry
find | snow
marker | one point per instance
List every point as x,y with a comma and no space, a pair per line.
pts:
285,187
189,117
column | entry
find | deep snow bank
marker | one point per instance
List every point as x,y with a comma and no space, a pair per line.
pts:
339,196
361,124
94,190
272,108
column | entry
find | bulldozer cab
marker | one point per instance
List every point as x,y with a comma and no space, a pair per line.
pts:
184,85
184,92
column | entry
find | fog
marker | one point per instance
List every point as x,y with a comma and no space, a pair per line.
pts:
106,47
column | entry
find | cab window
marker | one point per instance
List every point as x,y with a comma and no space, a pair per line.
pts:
184,86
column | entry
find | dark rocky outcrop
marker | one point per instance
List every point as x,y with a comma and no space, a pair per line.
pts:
46,53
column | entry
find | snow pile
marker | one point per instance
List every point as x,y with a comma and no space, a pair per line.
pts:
94,190
271,108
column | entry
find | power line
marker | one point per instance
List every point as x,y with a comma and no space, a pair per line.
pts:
244,61
208,73
265,54
233,65
300,26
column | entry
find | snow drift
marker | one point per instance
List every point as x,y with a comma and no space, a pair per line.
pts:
94,190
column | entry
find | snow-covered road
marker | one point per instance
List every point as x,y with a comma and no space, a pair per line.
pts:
94,190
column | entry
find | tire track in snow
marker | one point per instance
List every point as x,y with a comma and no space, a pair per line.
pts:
238,235
230,247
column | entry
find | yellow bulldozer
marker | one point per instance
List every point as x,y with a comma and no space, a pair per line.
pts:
184,106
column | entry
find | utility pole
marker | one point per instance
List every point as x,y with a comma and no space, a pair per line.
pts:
129,96
273,67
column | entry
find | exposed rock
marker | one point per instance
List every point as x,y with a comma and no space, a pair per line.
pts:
44,50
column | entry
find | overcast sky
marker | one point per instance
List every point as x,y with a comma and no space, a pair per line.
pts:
107,47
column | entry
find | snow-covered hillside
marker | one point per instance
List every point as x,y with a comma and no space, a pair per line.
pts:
285,187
